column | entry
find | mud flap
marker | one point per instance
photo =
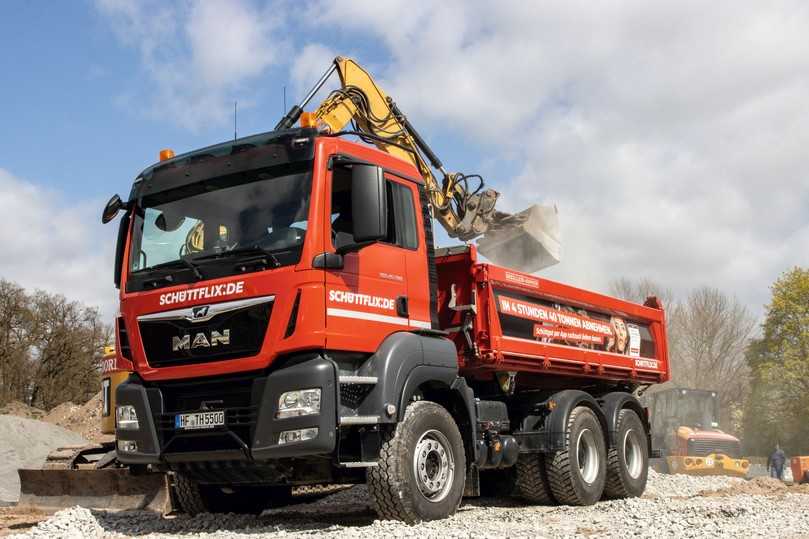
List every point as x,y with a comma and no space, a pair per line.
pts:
526,241
113,489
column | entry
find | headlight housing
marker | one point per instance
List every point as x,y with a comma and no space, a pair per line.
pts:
126,418
300,435
299,402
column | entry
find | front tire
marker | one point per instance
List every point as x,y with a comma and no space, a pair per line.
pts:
577,474
421,468
628,461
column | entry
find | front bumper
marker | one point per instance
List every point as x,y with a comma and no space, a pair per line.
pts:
250,403
713,464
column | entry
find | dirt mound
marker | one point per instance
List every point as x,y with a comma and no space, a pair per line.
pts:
24,444
20,409
764,486
84,419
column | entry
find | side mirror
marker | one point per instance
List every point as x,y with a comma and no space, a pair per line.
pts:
111,209
369,203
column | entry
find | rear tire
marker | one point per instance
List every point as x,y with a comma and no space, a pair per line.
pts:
532,479
195,498
628,461
421,469
577,474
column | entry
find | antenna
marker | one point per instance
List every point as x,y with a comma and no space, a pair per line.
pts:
285,99
235,124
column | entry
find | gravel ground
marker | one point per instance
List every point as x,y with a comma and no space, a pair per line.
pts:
24,443
673,506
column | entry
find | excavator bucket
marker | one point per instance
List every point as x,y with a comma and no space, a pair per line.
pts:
526,241
113,489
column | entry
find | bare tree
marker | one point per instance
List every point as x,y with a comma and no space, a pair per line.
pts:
708,334
49,347
711,333
15,341
638,291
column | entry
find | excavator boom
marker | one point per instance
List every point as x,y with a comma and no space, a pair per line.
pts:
527,240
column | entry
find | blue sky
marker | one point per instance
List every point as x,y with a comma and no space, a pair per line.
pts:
668,134
76,108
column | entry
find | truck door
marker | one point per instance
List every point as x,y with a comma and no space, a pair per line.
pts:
367,299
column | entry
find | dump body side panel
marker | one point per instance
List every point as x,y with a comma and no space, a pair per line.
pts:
526,324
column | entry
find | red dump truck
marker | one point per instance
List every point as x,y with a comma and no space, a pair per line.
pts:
289,322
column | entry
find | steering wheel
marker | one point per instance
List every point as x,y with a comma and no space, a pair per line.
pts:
282,238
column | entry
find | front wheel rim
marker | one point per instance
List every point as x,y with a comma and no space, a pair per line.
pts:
433,465
587,456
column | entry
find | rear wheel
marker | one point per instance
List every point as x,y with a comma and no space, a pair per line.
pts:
577,474
194,498
421,468
628,461
532,479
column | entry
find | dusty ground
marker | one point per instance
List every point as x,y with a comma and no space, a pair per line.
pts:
674,506
13,520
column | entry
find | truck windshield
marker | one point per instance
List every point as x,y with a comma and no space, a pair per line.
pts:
257,212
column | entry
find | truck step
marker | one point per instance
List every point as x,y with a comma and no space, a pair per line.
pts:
370,464
370,380
359,420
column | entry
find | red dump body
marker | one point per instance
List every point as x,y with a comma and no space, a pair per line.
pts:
545,330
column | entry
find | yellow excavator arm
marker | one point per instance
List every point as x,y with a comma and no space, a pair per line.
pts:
361,101
526,240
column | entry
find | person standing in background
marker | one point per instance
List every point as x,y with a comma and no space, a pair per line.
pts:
775,464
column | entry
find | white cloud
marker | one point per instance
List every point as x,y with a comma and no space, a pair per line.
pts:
671,135
198,56
53,245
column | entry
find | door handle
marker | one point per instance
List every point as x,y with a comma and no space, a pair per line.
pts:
401,307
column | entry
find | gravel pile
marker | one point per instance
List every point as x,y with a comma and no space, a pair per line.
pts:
84,419
671,507
24,443
679,486
20,409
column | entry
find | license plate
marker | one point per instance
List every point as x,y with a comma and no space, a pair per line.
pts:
200,420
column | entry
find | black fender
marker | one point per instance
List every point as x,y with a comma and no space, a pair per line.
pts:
545,432
402,363
406,362
613,403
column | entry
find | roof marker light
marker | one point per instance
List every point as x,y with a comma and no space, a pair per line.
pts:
166,154
308,119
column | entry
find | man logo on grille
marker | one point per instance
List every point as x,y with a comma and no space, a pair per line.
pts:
200,312
200,340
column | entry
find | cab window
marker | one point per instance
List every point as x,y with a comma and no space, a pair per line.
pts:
402,230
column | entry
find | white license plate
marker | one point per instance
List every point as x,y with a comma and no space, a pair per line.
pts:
200,420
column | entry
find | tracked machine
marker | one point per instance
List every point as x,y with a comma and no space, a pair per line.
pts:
290,322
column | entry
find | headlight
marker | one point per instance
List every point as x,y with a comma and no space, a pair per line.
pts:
127,446
300,435
297,403
126,418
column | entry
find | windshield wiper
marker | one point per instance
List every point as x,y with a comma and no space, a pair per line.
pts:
179,262
256,252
